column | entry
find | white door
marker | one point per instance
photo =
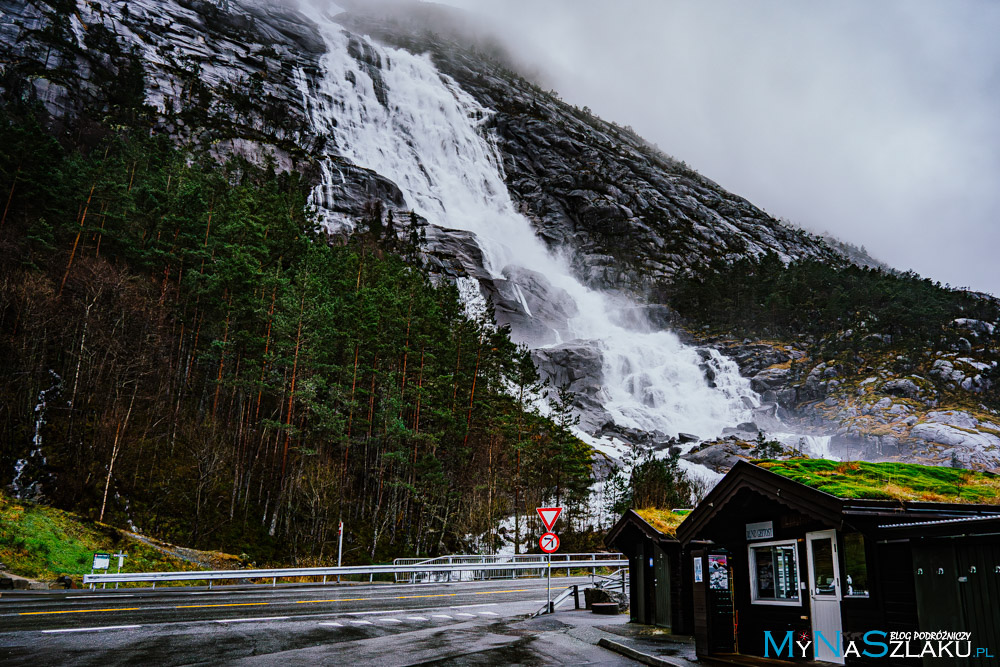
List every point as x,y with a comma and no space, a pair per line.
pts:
825,595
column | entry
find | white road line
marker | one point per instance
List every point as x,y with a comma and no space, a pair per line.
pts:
251,620
107,627
390,620
416,618
488,613
94,597
403,611
358,621
334,624
442,616
466,615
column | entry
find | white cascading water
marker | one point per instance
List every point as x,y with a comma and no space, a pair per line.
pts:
815,446
429,140
19,487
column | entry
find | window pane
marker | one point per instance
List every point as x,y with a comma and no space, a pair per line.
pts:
775,572
765,573
822,555
787,587
854,563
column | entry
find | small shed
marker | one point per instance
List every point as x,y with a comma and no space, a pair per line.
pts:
657,595
823,552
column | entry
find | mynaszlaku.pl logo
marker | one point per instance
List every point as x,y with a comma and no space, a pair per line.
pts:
873,644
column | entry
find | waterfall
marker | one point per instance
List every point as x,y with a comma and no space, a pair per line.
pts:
814,446
17,485
393,112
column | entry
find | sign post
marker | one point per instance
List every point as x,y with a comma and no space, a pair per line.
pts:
121,561
340,545
549,543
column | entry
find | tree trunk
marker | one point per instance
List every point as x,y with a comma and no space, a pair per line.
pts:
291,392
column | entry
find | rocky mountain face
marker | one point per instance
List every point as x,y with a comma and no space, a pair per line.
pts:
241,78
632,216
927,406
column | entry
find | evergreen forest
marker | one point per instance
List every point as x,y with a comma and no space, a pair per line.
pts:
185,352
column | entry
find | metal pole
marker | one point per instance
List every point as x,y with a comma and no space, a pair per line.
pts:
340,549
548,585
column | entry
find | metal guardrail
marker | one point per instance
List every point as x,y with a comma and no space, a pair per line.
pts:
614,580
562,562
418,575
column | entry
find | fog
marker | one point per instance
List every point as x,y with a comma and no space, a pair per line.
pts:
874,121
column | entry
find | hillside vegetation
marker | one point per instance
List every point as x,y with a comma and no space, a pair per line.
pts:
182,348
45,543
844,306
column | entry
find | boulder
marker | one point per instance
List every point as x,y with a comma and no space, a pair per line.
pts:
602,595
904,388
771,379
718,456
13,582
976,327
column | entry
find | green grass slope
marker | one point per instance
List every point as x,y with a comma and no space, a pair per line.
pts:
44,543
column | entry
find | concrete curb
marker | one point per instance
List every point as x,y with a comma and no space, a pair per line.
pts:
639,656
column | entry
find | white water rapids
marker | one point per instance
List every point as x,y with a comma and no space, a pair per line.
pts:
429,140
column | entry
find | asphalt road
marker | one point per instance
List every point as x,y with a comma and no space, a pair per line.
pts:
469,623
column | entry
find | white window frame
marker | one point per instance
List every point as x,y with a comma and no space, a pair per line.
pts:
752,561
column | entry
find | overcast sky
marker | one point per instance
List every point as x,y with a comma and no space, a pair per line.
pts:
878,121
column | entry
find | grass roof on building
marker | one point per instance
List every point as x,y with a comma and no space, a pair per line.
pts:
890,481
665,521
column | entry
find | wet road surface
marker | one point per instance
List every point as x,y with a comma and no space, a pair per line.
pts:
480,623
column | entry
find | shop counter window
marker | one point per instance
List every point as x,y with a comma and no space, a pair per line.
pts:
774,573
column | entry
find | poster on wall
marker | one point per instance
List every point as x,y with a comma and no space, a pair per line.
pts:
698,578
718,573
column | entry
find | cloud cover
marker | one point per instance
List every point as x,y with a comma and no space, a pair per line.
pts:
876,121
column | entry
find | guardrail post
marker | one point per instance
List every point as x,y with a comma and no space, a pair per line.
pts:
274,582
324,578
209,584
576,596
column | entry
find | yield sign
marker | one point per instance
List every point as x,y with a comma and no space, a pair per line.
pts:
549,515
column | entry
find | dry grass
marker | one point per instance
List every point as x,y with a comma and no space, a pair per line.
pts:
665,521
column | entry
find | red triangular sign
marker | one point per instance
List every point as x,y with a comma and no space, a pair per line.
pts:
549,515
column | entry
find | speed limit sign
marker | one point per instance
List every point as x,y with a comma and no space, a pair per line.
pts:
548,542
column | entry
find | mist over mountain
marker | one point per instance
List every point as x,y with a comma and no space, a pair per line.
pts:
871,121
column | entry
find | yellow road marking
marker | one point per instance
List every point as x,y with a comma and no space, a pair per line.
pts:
75,611
238,604
262,604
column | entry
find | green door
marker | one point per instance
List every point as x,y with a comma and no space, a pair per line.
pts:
661,574
979,585
939,603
